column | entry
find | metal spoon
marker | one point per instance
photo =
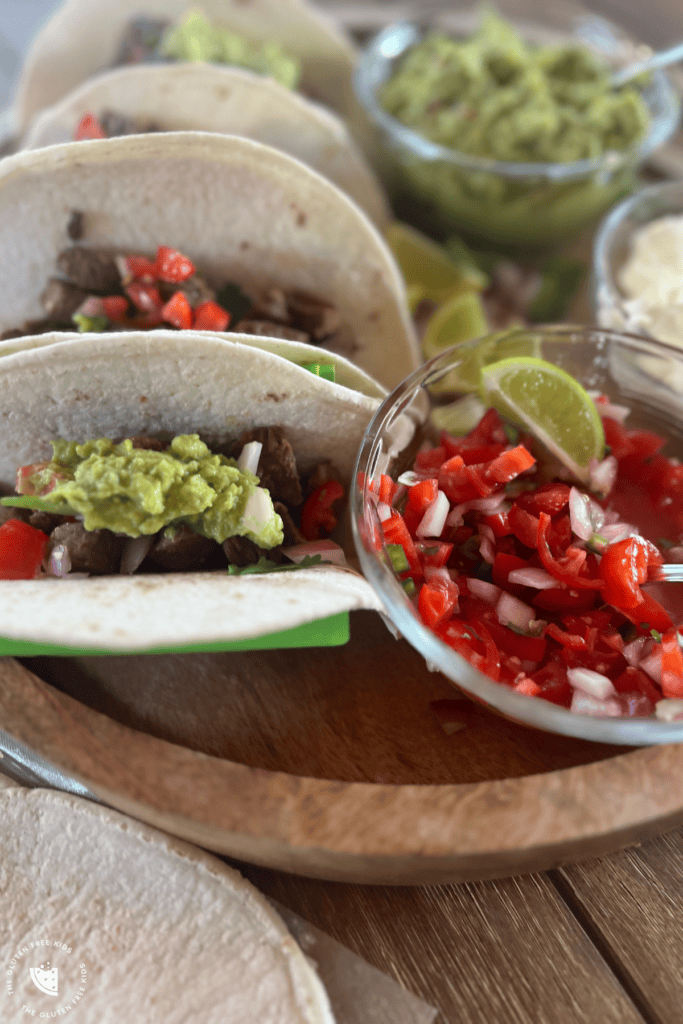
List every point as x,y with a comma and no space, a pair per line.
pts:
668,574
662,59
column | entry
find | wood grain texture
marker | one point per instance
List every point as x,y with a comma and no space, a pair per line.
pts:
348,831
507,951
630,903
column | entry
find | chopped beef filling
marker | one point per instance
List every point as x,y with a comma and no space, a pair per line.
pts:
99,552
94,551
277,466
114,124
183,550
140,40
98,290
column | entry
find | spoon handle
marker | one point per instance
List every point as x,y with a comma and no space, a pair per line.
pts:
669,574
656,60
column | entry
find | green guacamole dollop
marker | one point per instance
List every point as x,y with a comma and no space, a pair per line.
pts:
195,38
136,491
494,95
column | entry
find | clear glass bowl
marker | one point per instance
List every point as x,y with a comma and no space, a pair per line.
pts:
645,375
612,246
511,204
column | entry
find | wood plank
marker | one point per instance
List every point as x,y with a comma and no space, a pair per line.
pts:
506,951
629,903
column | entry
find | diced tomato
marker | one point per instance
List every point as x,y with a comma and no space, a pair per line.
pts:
523,525
438,597
144,297
209,316
554,684
566,572
528,687
632,679
562,600
499,523
648,615
172,266
616,437
22,549
508,465
526,648
422,494
624,566
434,553
89,128
548,498
430,459
178,312
115,307
503,565
141,269
572,640
672,666
318,518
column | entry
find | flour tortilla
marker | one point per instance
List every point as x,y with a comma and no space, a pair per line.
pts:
243,212
116,385
167,933
230,101
83,38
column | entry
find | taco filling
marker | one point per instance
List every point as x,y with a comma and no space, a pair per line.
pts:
106,507
98,291
195,38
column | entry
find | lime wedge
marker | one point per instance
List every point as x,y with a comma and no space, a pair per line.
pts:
549,403
425,264
461,319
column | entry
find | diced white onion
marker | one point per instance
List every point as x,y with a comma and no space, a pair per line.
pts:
602,475
434,519
653,665
532,577
513,612
91,306
669,710
634,651
249,457
60,562
408,479
583,704
330,551
487,548
484,590
609,410
134,553
487,506
433,572
384,511
258,511
122,267
590,682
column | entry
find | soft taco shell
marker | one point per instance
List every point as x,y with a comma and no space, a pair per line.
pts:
117,385
229,101
156,930
241,211
83,37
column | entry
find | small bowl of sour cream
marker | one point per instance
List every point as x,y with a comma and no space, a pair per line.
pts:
638,265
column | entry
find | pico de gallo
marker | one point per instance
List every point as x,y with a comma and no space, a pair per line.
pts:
538,582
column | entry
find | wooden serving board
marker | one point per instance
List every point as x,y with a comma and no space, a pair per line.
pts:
333,763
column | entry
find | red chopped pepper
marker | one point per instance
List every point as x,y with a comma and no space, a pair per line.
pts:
144,297
22,549
178,312
89,128
172,266
387,489
317,517
672,666
141,269
568,570
438,597
623,568
209,316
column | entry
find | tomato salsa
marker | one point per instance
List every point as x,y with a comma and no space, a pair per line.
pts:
538,582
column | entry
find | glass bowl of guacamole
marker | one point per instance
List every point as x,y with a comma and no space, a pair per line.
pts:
509,133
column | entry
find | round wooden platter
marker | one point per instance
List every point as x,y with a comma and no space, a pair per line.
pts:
333,763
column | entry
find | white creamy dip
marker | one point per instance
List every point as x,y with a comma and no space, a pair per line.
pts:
652,281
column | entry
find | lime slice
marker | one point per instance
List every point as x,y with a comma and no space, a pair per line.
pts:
551,405
461,319
424,263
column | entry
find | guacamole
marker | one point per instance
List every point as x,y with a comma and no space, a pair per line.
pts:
195,38
136,491
494,95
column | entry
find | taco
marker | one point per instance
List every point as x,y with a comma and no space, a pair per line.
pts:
172,489
208,98
288,39
308,261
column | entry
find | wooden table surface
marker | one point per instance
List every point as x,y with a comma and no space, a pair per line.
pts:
596,943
